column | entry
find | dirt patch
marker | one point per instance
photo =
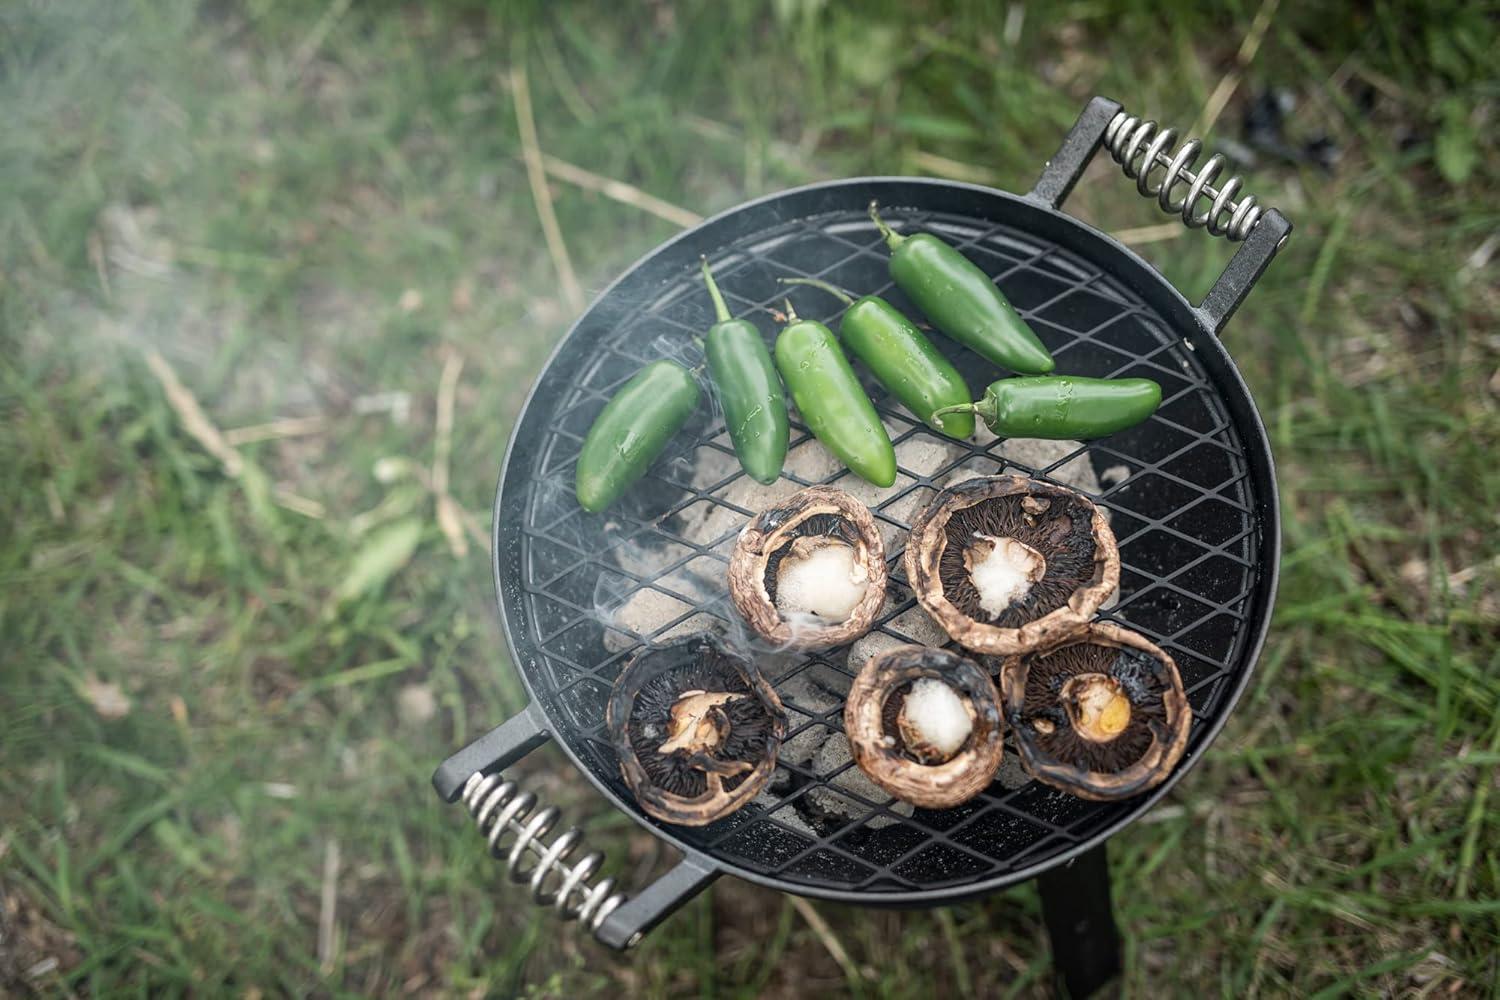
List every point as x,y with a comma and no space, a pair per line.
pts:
33,950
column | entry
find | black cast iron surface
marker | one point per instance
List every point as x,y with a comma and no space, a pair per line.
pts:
1194,514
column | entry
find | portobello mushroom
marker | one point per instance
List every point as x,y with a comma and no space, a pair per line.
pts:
1102,716
924,724
1006,563
696,727
809,573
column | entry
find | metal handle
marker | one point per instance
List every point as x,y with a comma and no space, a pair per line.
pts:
1142,149
516,826
495,750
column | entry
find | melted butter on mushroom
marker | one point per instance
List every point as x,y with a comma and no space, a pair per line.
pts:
925,725
809,572
820,577
934,721
1096,705
1003,571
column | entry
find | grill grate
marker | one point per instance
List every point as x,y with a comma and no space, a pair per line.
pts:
1184,513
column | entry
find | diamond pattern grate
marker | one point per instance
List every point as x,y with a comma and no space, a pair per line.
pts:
1178,488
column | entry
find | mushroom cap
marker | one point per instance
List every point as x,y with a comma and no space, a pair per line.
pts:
868,722
768,537
696,727
1111,761
1076,581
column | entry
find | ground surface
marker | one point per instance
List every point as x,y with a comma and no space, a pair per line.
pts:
231,659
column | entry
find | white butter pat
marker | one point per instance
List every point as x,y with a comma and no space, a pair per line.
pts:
826,582
1003,571
935,713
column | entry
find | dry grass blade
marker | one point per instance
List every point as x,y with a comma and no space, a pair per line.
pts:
451,525
1242,59
472,527
328,902
625,194
536,173
203,430
953,170
826,936
194,420
275,430
97,257
309,46
298,504
1150,234
401,467
447,509
453,366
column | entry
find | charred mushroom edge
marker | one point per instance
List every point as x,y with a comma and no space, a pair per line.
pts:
937,786
929,539
668,806
773,529
1168,741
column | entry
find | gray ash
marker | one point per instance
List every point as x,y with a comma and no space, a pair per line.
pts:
681,772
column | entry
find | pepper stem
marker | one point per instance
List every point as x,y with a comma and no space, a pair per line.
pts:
893,239
833,290
985,409
721,311
791,314
956,408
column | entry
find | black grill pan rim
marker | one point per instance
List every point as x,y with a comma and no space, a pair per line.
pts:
1122,264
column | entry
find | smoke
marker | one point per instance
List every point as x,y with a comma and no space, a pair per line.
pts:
680,601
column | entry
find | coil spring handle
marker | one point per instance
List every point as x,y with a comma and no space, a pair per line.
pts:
1172,178
1140,147
502,809
517,826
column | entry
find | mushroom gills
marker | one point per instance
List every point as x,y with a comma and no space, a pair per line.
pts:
1009,560
1093,707
680,736
933,721
1003,571
819,578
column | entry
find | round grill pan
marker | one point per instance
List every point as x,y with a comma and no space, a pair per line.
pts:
1191,496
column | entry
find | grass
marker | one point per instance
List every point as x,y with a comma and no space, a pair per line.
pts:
223,693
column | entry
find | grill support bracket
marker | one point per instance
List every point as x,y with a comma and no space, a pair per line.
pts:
1080,921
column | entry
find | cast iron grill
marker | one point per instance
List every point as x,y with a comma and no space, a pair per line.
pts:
1190,493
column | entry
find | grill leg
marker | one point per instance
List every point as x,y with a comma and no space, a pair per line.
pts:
1081,923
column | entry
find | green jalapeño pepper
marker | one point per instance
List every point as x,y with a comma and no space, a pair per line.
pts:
749,390
962,301
832,402
1065,407
631,431
904,360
